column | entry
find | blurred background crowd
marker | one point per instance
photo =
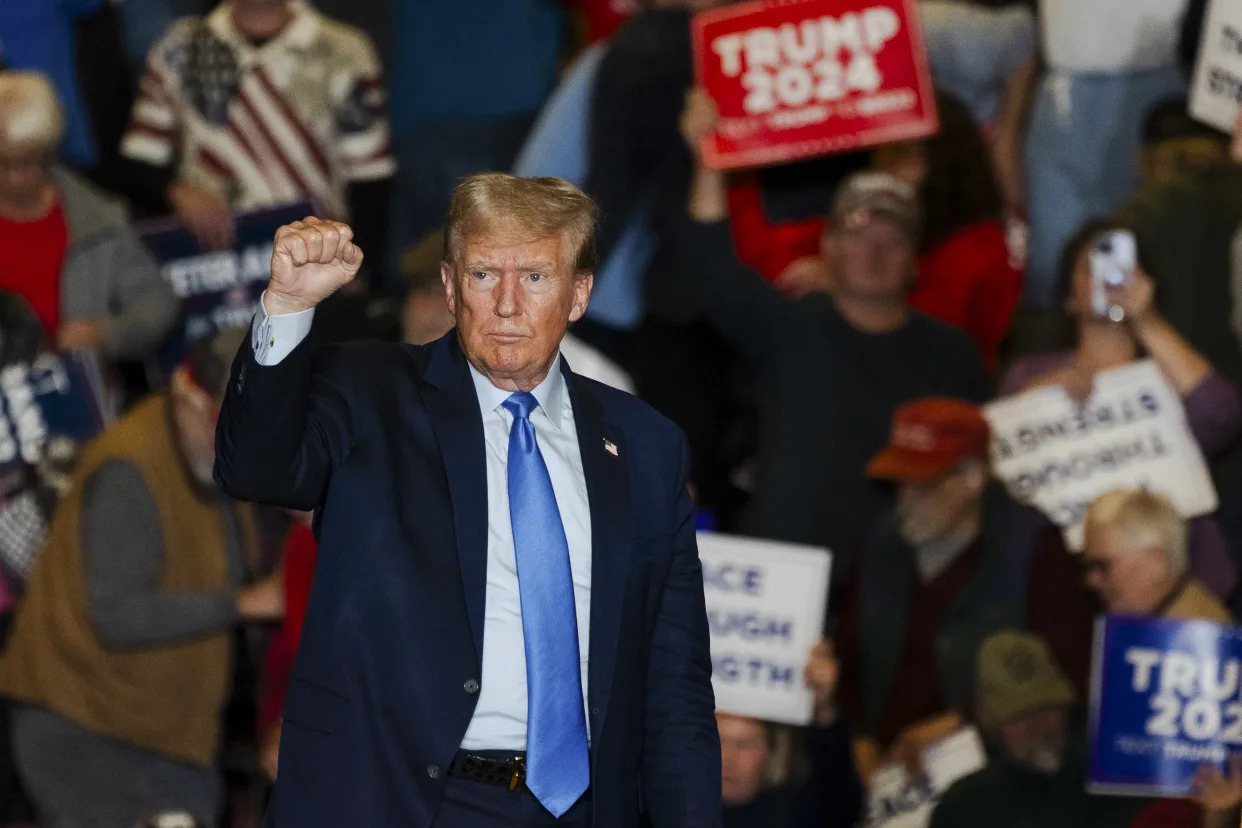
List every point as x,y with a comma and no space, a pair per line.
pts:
824,332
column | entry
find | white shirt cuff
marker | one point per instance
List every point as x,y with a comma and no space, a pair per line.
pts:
274,337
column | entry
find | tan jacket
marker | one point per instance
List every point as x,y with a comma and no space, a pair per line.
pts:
1195,602
167,699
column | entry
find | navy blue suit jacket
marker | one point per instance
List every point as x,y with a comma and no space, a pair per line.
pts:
386,442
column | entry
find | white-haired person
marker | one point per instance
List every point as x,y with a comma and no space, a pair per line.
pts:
67,248
1136,559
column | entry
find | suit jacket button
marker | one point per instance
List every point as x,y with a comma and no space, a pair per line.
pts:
471,686
434,771
595,711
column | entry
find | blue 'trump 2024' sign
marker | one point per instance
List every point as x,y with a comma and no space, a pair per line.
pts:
1166,699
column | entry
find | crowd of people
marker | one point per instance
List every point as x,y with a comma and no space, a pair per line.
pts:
825,333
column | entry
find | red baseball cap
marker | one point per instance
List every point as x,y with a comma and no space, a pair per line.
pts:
930,437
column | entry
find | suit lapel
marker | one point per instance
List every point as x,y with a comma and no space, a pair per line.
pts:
453,407
608,495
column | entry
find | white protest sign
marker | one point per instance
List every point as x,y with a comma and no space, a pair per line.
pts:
765,607
1132,433
898,800
1217,89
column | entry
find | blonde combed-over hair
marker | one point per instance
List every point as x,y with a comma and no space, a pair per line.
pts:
522,208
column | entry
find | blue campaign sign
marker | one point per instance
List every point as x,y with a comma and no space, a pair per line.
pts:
1165,700
218,289
57,396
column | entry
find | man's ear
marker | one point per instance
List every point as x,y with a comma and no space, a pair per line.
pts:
584,283
450,286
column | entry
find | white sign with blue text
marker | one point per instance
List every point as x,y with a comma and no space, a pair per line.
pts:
1059,456
765,607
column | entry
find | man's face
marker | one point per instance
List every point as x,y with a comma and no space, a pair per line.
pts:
512,299
1128,578
875,260
929,511
743,757
23,175
1036,741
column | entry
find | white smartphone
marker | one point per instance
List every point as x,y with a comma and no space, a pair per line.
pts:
1113,257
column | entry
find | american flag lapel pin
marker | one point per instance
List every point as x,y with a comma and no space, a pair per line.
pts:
610,447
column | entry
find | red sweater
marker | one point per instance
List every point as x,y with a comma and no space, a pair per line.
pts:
299,556
604,16
967,280
33,254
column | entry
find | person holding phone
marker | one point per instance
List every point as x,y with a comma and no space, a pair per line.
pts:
1110,299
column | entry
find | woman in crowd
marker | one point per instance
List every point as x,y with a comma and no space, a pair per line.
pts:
68,249
966,274
1213,409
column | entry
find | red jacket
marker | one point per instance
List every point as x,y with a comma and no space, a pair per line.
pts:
604,16
299,555
967,280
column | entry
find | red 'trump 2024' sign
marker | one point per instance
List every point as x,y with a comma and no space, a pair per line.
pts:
799,78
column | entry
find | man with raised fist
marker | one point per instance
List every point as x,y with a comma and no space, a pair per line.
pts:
507,624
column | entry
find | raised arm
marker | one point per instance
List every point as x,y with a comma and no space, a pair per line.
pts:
744,308
1213,409
286,421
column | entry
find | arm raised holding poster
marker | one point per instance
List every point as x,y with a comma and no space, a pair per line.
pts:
1213,409
744,308
802,78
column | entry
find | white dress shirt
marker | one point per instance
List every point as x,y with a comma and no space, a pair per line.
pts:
499,721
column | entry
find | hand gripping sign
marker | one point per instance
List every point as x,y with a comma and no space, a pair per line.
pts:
796,79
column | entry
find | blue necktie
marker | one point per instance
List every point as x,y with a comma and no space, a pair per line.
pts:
557,766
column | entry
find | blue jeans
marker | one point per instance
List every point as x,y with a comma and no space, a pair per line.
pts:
1082,159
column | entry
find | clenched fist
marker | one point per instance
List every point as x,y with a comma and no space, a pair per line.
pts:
311,260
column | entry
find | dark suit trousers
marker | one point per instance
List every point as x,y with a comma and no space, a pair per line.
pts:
475,805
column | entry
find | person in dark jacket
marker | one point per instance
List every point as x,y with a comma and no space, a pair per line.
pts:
835,366
68,249
934,582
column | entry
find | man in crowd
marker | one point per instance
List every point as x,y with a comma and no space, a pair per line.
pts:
835,367
68,250
1035,777
930,587
449,671
1135,559
119,660
262,103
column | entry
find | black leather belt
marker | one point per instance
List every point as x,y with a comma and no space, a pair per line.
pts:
505,770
